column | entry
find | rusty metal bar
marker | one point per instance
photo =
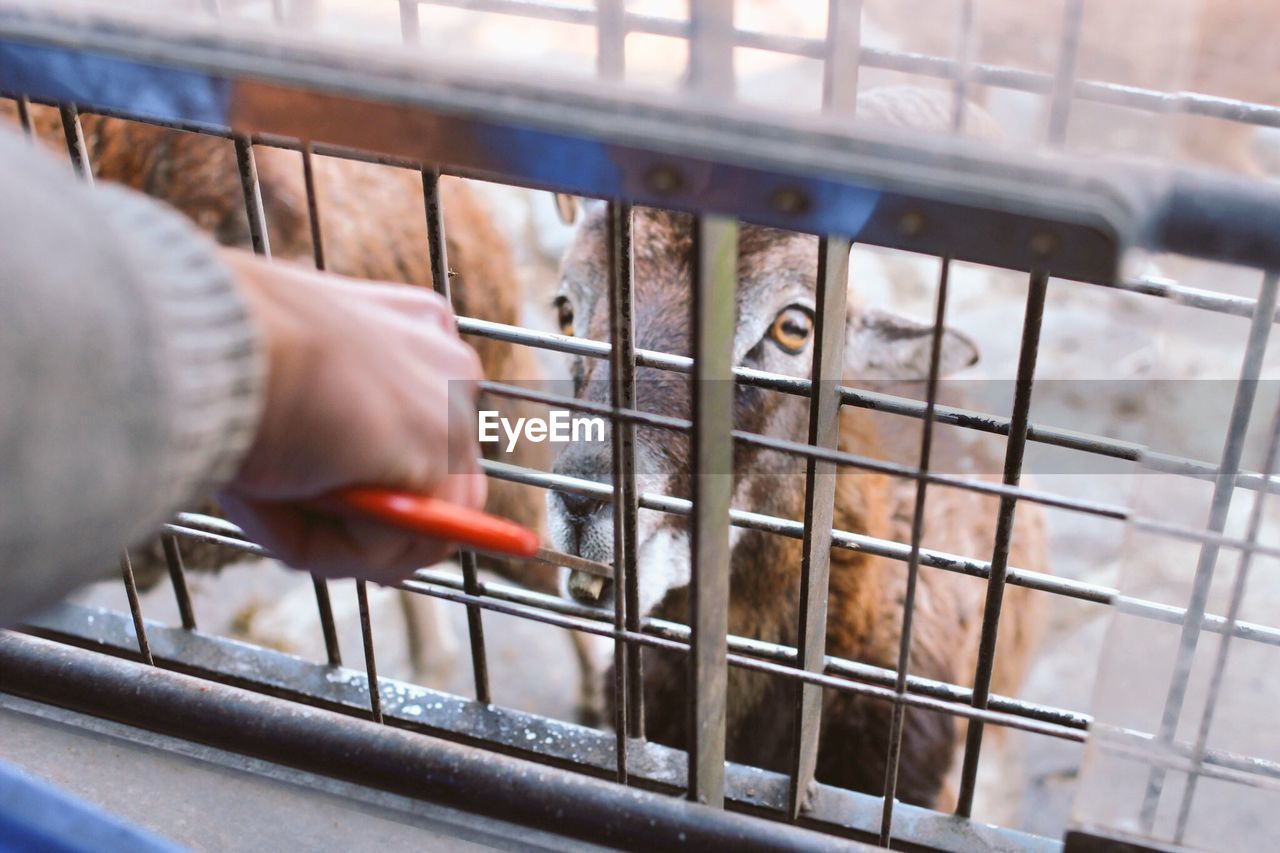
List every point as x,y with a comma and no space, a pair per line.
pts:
370,659
324,606
913,560
1014,450
1220,505
178,579
628,671
135,608
74,134
333,653
23,105
819,509
713,322
437,246
252,195
389,758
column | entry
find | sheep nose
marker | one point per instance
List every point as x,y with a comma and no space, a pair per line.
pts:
578,507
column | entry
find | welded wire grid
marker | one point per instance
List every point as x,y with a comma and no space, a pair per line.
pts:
712,36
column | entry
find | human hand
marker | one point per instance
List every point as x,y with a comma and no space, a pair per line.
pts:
364,381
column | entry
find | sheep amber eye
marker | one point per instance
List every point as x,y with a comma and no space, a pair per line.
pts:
791,329
565,315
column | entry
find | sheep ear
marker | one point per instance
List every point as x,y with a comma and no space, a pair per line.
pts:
881,345
567,208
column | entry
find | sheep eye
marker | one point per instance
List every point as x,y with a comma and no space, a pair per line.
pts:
791,329
564,312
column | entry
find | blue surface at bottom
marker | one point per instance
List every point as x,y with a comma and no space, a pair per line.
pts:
36,817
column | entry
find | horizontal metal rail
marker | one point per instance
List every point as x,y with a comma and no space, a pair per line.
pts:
384,757
560,744
887,403
940,67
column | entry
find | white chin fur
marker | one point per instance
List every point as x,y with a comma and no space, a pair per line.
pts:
663,565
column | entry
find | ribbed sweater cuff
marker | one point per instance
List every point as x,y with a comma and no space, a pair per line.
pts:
208,358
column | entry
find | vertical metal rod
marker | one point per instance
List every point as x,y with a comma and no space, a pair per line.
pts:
611,39
475,627
965,55
437,247
622,449
1016,445
74,134
410,26
325,606
213,7
624,349
711,43
370,659
913,560
1220,504
178,578
1224,644
435,233
23,103
135,608
313,207
1065,79
252,195
840,66
714,308
277,11
819,510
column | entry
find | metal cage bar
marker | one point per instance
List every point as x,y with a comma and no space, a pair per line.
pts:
622,366
178,580
370,658
1017,443
713,322
819,509
1223,491
1214,692
324,605
73,132
135,609
712,26
437,247
913,560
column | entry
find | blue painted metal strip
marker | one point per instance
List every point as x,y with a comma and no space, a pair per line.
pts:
106,82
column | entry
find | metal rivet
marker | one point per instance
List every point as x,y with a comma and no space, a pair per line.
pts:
790,201
911,223
1043,244
664,180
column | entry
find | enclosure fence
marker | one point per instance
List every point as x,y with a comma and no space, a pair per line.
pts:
1057,216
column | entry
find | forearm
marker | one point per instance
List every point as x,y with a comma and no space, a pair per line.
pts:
130,376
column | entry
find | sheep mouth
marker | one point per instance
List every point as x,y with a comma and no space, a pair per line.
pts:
590,588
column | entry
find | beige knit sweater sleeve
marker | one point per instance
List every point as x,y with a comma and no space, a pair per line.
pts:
130,376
